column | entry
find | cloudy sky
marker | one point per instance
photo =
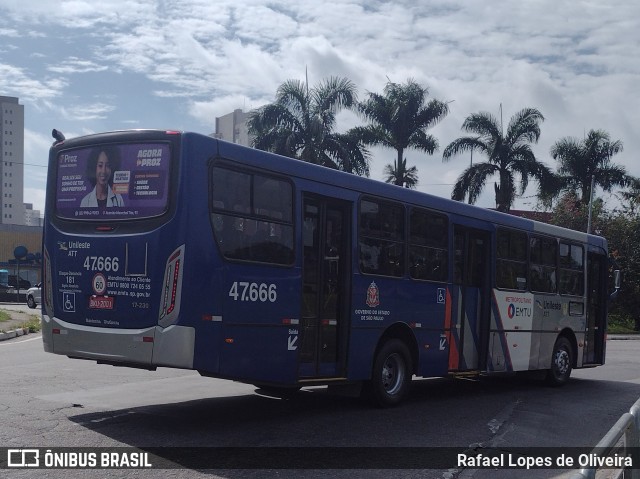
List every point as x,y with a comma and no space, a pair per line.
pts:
86,66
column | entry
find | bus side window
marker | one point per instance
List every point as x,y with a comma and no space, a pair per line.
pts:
511,262
542,268
571,269
218,219
381,241
428,245
252,216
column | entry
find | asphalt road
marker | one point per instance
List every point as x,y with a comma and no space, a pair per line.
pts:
52,401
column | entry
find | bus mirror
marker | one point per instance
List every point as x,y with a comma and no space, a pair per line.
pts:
617,281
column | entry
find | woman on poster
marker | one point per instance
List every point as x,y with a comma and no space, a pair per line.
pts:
102,162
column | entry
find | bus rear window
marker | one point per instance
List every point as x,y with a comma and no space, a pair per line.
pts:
113,181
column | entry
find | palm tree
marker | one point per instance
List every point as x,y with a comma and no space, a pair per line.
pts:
399,119
509,156
300,124
632,195
401,175
584,161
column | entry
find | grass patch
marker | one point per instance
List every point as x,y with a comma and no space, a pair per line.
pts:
621,325
33,324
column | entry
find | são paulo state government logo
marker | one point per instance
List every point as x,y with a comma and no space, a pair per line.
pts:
373,295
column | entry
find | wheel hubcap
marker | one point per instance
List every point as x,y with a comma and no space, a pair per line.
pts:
562,361
393,373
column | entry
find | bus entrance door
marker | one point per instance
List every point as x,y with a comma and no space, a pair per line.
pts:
596,309
325,278
471,302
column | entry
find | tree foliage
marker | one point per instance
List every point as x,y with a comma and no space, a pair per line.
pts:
584,161
509,156
301,122
398,119
401,175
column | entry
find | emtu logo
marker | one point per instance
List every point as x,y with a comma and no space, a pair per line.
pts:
519,311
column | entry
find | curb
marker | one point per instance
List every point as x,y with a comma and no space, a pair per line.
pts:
14,334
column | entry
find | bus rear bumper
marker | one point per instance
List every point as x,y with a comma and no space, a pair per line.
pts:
148,347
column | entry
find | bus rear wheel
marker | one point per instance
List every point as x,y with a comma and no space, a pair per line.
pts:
391,374
561,362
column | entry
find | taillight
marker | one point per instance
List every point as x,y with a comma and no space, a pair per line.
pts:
172,288
47,294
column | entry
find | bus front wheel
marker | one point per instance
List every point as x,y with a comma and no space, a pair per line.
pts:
561,362
391,374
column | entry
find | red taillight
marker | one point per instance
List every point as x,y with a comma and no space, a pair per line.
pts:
174,287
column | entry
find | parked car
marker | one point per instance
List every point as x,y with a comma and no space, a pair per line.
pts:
13,282
33,296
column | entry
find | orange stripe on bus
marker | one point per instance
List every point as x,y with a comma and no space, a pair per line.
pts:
453,349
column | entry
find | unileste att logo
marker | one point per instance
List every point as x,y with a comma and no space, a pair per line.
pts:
373,295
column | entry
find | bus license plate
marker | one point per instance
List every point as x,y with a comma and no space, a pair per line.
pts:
101,302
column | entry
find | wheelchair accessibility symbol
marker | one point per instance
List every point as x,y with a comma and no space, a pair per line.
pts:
69,302
441,295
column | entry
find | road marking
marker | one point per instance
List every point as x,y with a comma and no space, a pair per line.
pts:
9,343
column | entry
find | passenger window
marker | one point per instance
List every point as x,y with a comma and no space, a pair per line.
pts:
511,263
381,241
252,216
571,269
428,249
542,265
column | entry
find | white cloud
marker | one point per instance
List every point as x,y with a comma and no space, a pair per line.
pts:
18,81
575,61
76,65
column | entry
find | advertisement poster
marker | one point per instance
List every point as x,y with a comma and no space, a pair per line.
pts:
113,181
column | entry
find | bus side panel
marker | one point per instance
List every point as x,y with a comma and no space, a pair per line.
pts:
511,324
260,323
202,267
433,349
464,328
415,307
560,313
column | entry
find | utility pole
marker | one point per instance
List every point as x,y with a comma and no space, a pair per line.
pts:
590,205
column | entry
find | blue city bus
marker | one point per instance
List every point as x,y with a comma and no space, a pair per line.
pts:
172,249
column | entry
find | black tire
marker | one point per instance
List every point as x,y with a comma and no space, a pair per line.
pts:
30,302
561,362
391,374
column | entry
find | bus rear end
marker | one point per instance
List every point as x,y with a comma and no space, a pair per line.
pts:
109,211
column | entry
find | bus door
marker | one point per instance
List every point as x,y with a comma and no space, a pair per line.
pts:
596,308
471,300
325,278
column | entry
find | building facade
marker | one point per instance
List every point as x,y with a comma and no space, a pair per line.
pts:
232,127
30,237
12,210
